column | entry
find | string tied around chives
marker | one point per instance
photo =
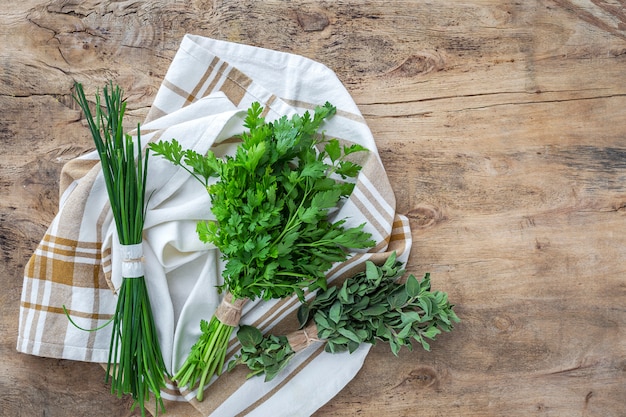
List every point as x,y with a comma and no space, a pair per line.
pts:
132,260
135,364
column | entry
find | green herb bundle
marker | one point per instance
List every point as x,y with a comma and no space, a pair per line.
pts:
271,203
135,364
369,307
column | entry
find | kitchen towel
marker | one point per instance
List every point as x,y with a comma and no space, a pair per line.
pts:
202,102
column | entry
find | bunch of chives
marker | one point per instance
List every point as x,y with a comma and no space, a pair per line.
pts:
135,364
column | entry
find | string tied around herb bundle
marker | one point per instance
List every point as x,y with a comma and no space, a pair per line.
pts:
229,310
132,260
303,338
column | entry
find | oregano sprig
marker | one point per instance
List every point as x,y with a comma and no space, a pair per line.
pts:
369,307
266,355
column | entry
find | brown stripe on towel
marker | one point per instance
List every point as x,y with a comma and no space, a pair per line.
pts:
154,114
177,90
236,85
207,73
74,170
59,310
371,218
268,105
278,387
221,68
377,187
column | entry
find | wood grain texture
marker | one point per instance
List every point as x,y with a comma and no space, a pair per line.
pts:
501,124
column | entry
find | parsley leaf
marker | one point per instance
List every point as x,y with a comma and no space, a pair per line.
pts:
271,202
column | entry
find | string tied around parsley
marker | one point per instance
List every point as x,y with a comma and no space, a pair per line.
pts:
229,310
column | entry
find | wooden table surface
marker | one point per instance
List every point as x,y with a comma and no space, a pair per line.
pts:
502,127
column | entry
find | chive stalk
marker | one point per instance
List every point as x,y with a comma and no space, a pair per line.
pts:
135,364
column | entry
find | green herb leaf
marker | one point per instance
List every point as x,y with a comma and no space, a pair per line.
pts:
348,169
349,334
249,336
412,286
303,314
335,312
372,272
375,310
347,150
333,150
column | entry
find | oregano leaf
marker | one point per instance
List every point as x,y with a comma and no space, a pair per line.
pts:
249,336
335,312
412,286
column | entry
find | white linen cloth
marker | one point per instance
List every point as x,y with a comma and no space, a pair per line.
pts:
201,103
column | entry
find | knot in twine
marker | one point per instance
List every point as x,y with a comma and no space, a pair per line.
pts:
303,338
229,311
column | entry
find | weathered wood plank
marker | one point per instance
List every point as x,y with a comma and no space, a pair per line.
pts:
501,127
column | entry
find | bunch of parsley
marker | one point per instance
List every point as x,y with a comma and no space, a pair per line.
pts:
271,203
369,307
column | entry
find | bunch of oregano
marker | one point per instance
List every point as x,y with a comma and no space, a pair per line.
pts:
262,354
271,203
135,364
369,307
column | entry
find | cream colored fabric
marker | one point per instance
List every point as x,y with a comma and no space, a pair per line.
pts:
201,103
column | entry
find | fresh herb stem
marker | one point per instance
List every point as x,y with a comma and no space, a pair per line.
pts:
211,350
215,355
292,222
291,274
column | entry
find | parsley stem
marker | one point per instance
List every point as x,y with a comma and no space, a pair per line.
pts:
314,244
215,354
293,217
203,181
291,274
278,285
